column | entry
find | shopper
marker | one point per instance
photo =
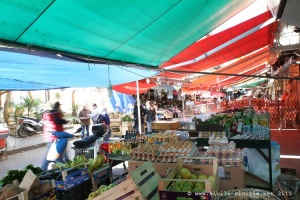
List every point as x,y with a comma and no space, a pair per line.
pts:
151,115
136,117
106,120
53,122
94,114
85,121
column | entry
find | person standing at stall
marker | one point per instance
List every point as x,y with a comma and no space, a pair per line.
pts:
136,117
94,114
151,115
106,120
85,120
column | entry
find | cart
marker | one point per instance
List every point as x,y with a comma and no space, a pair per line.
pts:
289,187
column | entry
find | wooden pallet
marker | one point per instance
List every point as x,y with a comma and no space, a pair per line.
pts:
140,184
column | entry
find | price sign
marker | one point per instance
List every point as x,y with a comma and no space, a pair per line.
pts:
28,180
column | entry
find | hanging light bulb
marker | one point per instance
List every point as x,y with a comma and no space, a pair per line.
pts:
147,80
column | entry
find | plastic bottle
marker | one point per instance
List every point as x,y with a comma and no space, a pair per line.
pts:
115,148
124,148
128,148
245,157
110,147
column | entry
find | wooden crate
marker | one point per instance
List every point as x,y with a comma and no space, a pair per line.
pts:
197,165
165,125
140,184
161,168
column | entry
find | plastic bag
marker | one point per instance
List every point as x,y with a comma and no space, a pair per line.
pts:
258,166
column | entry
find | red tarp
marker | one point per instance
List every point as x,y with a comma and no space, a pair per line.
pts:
130,88
257,40
246,63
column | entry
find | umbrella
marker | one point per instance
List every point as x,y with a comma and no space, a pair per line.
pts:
130,88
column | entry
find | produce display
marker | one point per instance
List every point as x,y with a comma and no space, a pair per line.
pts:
226,153
18,174
101,189
185,186
39,188
78,161
10,190
244,124
163,152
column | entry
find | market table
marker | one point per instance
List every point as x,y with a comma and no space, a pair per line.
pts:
115,159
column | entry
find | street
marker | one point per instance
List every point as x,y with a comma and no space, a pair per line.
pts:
21,160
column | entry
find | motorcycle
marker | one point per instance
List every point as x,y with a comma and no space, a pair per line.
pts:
28,126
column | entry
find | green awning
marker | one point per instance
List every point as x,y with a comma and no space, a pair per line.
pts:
135,31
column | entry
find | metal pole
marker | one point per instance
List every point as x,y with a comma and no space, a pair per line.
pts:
138,106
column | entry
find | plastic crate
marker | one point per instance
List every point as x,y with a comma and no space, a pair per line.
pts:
79,192
289,187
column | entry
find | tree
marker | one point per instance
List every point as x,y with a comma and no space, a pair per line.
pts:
6,107
29,104
57,96
19,109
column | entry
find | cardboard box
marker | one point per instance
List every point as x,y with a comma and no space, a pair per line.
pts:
231,177
161,168
99,175
73,179
196,165
165,125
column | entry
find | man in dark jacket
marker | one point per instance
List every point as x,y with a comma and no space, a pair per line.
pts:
136,117
106,120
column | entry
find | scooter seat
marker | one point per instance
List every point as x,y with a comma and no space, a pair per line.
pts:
85,142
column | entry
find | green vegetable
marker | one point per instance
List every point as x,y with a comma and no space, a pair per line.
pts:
18,174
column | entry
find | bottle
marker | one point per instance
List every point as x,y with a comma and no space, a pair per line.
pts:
124,148
115,148
128,148
119,145
110,147
245,157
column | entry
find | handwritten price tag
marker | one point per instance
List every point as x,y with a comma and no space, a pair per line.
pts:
28,180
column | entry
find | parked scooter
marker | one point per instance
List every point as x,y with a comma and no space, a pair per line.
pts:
28,126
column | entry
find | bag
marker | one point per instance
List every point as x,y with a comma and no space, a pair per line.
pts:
100,119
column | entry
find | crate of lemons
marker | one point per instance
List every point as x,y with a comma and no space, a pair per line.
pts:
100,190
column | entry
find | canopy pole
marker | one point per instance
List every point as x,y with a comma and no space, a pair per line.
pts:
138,106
